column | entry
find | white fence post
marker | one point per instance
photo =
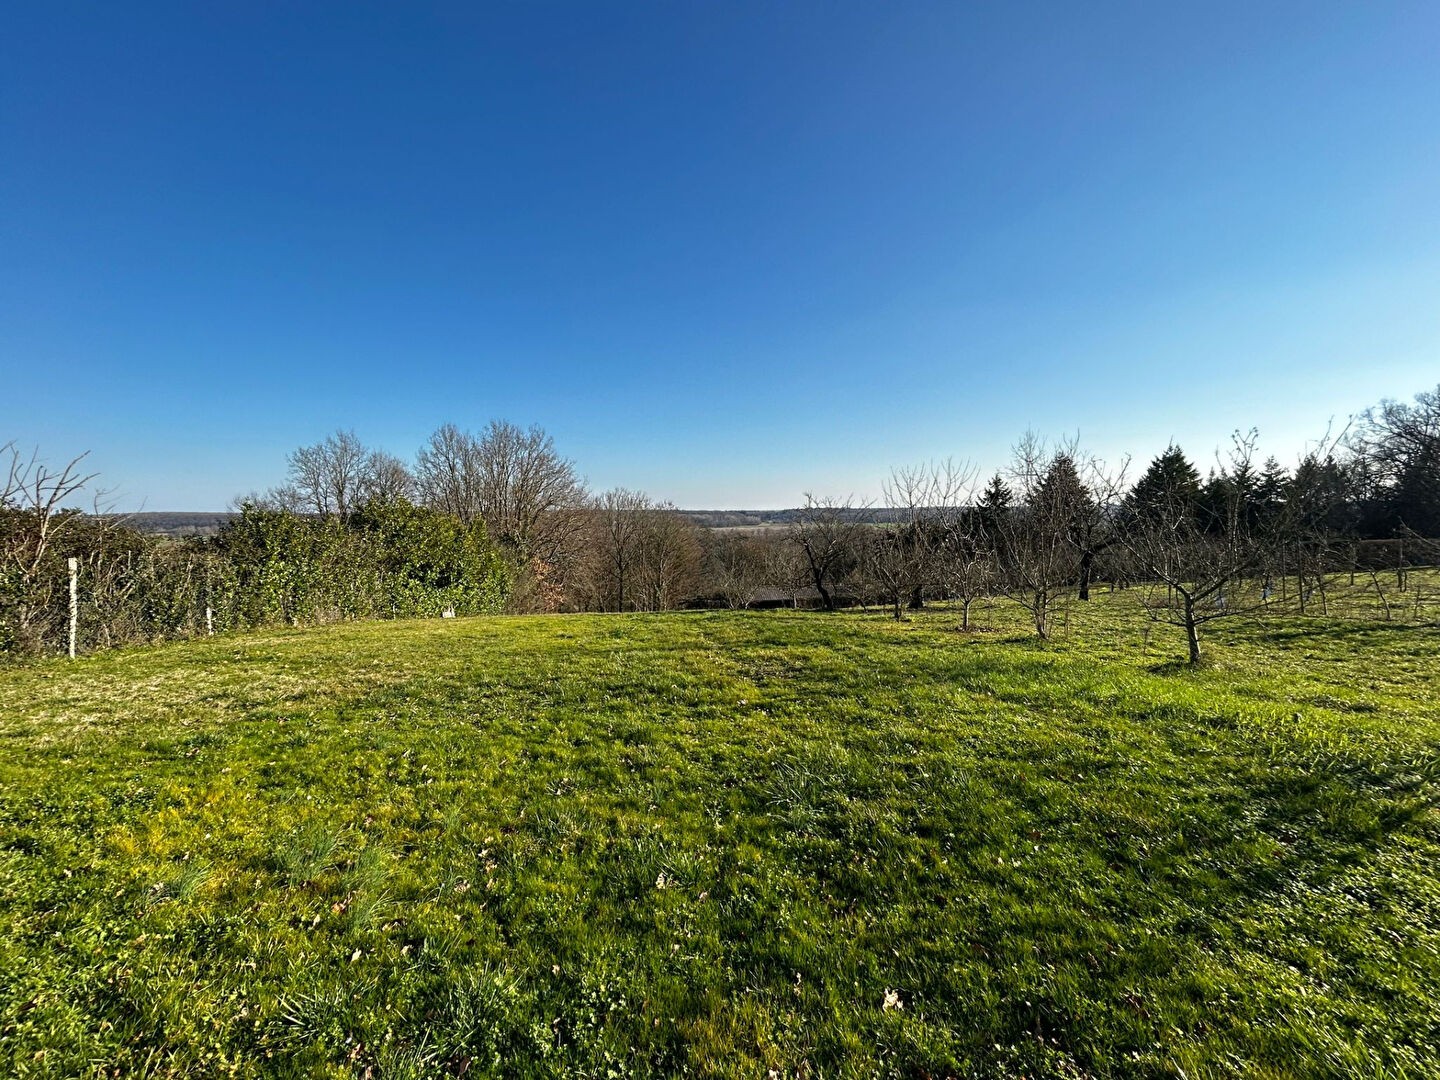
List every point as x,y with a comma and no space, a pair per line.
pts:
74,601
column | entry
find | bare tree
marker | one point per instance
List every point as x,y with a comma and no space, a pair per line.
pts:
33,521
668,556
530,498
896,554
1397,447
1037,559
529,494
970,570
967,564
1204,562
735,567
905,556
888,563
309,487
384,476
447,474
283,497
327,478
618,520
1093,527
785,568
1205,576
1066,517
829,534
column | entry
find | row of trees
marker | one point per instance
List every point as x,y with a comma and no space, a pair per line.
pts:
499,517
1201,550
513,481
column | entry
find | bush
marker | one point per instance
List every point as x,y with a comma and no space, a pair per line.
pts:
389,559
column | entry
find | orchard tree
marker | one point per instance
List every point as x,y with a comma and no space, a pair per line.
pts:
1036,559
905,556
968,567
786,569
1072,505
1210,555
829,535
1049,540
735,566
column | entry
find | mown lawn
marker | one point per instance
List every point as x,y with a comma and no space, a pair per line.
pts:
755,844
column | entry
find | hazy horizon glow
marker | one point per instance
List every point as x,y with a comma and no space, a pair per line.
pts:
724,254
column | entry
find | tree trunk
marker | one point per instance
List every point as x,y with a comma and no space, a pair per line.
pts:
1192,631
1380,592
819,579
825,597
965,614
917,598
1087,563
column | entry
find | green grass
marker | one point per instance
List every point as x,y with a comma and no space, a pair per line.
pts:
717,844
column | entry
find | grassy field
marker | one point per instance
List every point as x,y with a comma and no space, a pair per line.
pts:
714,844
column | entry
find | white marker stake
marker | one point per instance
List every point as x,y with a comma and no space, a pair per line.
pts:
74,601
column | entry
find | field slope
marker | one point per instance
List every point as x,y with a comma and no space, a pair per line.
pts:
723,844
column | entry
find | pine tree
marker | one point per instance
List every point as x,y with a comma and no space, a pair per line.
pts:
1061,493
1169,487
1066,507
1271,489
997,496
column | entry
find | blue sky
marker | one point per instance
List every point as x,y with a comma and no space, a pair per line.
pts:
726,253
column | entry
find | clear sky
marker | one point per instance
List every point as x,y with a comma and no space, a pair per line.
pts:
723,252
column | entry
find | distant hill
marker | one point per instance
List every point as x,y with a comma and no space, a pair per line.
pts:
739,519
177,522
735,519
180,523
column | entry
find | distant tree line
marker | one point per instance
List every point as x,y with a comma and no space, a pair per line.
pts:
498,520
